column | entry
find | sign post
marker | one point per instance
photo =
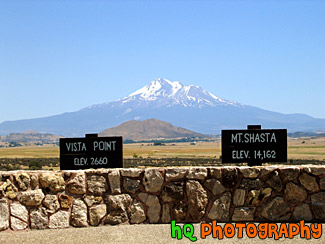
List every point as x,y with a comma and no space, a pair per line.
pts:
254,145
91,152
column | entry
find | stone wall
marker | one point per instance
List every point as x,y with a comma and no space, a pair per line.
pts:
45,199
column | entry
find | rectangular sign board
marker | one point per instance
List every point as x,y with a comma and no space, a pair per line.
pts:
91,152
254,146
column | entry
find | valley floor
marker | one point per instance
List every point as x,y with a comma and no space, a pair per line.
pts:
302,148
147,154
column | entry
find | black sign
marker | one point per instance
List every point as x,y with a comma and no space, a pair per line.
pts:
91,152
254,146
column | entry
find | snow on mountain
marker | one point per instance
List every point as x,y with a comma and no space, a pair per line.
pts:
158,87
176,94
162,92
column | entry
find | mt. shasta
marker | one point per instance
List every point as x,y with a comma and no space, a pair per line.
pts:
190,107
168,93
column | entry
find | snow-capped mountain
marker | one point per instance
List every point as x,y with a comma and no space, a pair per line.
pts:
190,107
162,92
168,93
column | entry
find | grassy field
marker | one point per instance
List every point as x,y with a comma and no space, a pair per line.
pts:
173,150
306,148
303,148
45,151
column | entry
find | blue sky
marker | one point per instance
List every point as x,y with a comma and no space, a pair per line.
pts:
61,56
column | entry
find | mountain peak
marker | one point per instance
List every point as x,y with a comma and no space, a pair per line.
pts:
158,87
168,93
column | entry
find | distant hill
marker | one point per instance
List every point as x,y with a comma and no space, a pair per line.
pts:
149,129
299,134
30,137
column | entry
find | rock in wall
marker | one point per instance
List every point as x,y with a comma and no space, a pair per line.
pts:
45,199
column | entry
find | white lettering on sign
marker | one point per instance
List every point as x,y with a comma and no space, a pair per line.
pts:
104,146
241,154
236,138
262,154
76,146
253,138
99,161
80,161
